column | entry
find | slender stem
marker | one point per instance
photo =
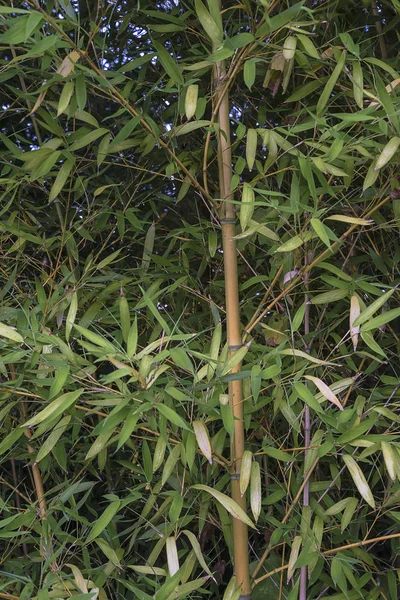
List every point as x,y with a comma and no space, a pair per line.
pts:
240,534
38,481
382,538
307,427
285,518
379,30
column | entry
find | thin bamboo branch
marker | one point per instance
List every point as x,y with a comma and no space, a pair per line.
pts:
285,518
382,538
379,29
307,426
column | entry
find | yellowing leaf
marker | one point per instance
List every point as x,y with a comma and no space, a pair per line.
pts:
10,333
172,555
245,471
247,205
359,479
67,65
352,220
325,390
203,440
390,459
294,553
389,150
191,101
255,490
354,314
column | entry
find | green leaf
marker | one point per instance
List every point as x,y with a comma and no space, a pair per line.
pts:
101,523
331,296
189,127
304,91
210,26
372,308
249,73
87,139
321,231
284,17
55,408
330,84
61,179
10,439
251,147
172,416
154,310
169,64
53,438
65,97
382,319
10,333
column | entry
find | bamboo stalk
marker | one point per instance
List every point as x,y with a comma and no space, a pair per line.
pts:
240,534
38,482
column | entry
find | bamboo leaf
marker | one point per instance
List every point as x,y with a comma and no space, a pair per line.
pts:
294,553
330,84
251,147
390,458
88,138
53,438
255,490
211,27
101,523
65,97
169,64
372,308
54,409
203,440
230,505
354,314
388,152
382,319
249,73
325,390
172,416
172,555
245,471
247,205
359,479
10,333
61,179
197,550
348,513
191,101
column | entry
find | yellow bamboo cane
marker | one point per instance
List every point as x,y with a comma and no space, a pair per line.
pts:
240,535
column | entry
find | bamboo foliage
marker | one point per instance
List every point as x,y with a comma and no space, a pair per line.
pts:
199,300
